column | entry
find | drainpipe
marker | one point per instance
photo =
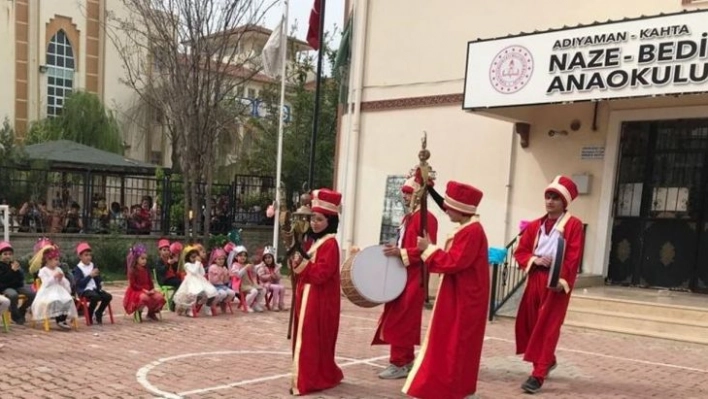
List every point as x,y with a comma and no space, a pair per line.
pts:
354,126
508,227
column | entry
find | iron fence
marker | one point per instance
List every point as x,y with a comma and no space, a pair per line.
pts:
47,201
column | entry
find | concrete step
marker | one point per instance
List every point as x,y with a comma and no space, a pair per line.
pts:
646,318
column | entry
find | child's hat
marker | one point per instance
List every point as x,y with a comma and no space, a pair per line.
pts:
41,243
163,243
240,249
229,247
176,248
82,247
5,246
269,250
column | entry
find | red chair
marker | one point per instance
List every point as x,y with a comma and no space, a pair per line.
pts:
83,303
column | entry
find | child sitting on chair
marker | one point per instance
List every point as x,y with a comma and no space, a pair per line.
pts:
88,284
53,299
248,284
195,290
141,293
269,275
219,278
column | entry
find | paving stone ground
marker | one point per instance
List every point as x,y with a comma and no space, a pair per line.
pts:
247,356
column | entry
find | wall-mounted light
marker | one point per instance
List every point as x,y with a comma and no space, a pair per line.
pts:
43,69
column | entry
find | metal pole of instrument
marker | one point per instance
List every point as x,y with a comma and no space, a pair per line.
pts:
316,116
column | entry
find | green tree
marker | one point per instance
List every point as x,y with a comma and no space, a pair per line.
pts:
84,119
261,156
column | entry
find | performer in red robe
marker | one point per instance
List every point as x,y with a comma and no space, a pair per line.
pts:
400,322
318,301
448,363
542,309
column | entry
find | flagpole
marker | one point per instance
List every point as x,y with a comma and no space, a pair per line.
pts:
316,116
281,121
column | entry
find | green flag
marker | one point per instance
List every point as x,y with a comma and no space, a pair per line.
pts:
342,61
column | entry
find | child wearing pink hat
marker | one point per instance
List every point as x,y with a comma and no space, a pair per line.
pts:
219,277
166,268
88,284
141,293
12,283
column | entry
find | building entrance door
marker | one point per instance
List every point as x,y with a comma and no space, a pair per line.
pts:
660,231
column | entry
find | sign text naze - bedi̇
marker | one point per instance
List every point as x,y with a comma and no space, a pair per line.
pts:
663,58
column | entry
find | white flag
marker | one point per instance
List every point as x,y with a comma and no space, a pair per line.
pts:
272,59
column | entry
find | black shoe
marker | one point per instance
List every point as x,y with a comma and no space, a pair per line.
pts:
99,319
532,385
20,320
172,306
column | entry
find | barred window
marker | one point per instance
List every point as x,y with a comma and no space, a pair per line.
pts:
393,211
60,72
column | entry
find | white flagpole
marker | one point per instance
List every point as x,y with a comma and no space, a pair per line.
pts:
281,122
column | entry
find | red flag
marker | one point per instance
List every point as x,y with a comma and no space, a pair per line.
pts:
313,32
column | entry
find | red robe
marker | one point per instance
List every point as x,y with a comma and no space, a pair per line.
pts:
542,311
316,319
399,324
448,363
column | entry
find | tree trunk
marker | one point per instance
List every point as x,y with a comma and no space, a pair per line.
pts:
185,202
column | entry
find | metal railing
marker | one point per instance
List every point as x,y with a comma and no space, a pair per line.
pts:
49,201
507,277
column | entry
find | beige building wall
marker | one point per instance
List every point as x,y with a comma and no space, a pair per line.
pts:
7,60
413,75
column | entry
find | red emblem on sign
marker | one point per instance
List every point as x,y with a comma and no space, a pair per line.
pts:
511,69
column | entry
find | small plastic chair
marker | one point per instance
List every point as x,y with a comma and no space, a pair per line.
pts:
6,321
164,289
84,303
45,322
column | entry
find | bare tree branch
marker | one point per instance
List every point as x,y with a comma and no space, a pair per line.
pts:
185,60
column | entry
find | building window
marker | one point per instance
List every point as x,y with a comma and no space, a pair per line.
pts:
393,210
60,72
156,157
252,93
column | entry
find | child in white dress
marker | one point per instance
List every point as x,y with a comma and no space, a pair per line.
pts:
53,298
195,289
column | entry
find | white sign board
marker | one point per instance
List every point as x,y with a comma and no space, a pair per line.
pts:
642,57
592,152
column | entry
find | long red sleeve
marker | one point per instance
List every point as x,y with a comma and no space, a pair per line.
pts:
524,250
323,266
573,235
410,253
460,256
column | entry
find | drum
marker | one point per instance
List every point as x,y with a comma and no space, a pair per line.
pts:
557,265
369,278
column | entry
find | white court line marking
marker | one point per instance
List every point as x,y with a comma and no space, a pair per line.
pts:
582,352
142,373
628,359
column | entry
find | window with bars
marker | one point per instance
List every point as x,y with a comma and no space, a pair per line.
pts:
60,72
393,211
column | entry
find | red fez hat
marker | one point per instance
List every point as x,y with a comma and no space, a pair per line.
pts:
326,201
565,188
410,186
462,197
